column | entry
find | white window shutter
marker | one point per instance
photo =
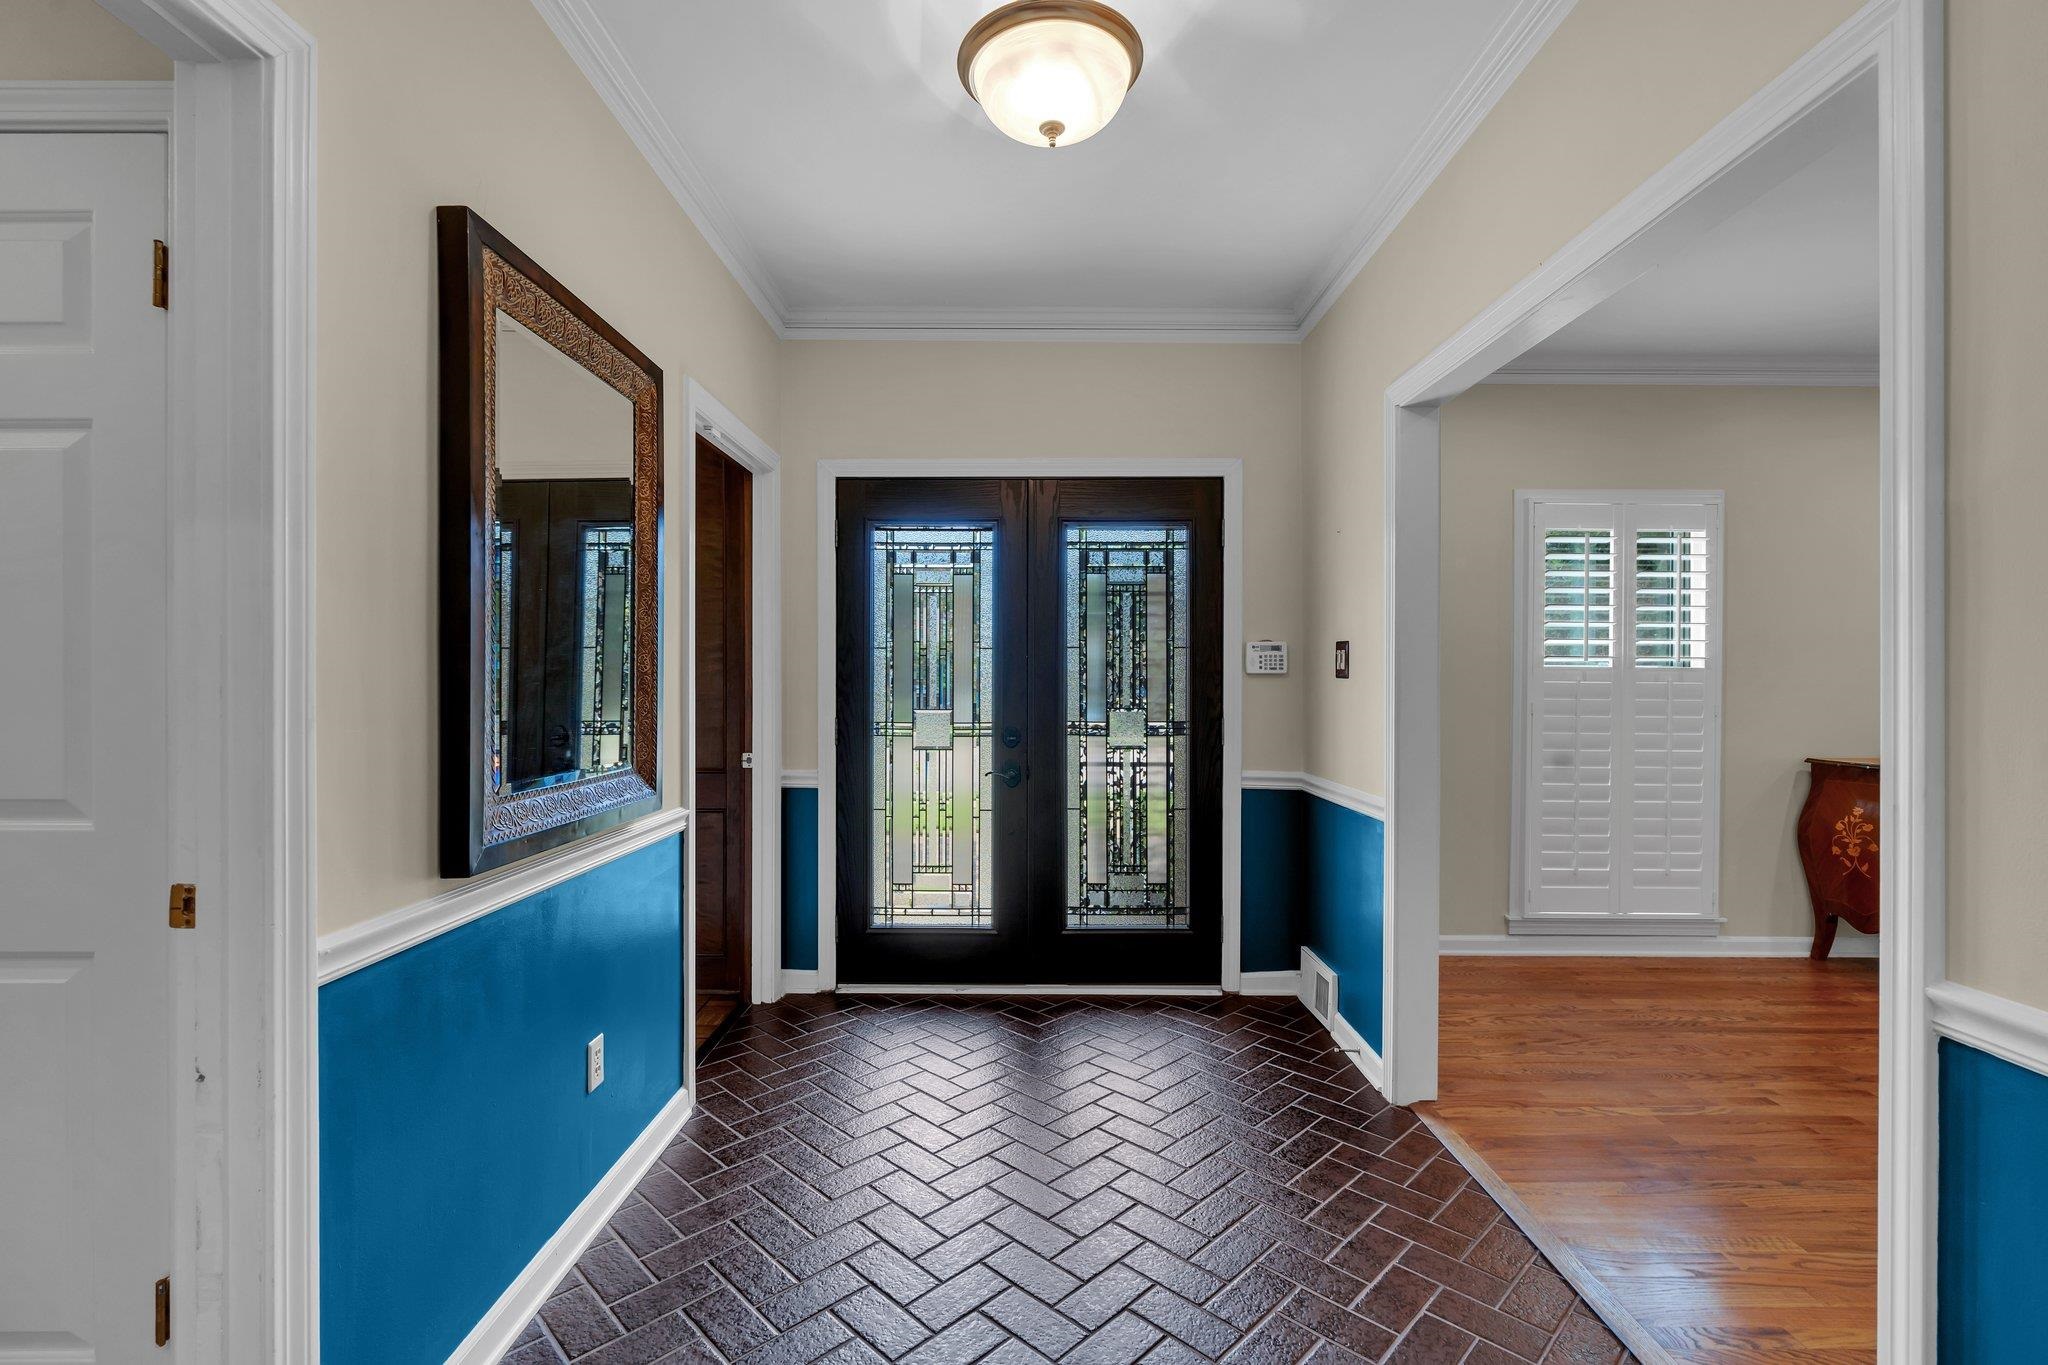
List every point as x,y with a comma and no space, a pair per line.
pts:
1674,660
1620,671
1569,674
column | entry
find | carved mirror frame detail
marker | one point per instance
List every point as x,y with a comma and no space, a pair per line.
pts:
483,273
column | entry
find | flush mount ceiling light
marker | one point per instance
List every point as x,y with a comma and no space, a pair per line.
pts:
1051,72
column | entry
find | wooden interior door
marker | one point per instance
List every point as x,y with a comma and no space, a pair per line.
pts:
720,827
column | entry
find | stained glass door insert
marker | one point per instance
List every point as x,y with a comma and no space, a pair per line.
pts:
932,628
1027,760
1127,644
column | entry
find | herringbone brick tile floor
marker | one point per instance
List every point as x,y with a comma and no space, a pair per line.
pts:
1092,1181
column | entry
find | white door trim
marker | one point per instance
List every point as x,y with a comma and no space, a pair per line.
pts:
240,118
1231,471
705,416
1767,138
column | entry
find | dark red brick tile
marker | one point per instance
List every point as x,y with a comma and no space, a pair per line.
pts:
1014,1181
579,1321
1432,1342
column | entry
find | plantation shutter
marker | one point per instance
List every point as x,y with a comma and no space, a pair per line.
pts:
1620,653
1673,664
1571,824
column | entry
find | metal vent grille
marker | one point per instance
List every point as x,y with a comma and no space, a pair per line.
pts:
1318,987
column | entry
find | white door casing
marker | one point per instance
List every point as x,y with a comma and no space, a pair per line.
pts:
86,1146
1617,712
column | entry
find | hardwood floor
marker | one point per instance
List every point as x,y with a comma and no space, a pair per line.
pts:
1702,1134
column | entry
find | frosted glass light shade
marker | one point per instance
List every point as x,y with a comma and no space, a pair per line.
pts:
1051,75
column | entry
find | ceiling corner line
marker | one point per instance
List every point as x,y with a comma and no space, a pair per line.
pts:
1517,40
591,47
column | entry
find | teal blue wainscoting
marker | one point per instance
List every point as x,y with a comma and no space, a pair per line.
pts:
1993,1245
455,1134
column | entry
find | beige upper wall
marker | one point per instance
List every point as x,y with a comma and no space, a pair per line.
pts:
1800,617
1620,89
479,105
1997,494
1011,400
73,40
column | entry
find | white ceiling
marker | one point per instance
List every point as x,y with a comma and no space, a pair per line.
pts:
828,150
1784,291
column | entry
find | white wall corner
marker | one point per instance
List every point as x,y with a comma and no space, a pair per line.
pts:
799,983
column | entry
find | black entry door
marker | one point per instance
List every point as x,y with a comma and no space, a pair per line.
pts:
1030,683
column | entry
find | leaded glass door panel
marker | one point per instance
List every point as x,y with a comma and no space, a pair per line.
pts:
931,861
1029,730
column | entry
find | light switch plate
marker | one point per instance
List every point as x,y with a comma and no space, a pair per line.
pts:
1343,658
593,1064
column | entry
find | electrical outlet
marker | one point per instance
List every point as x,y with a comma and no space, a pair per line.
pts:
593,1064
1343,658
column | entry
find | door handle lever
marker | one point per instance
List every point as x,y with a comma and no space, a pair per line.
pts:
1009,774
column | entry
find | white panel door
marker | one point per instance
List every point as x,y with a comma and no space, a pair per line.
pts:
85,1004
1619,658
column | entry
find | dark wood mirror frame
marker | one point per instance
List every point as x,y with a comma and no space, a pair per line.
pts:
482,273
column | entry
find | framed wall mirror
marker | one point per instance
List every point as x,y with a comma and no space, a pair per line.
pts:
550,559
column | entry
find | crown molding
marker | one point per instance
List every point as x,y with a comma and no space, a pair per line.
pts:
1043,324
1728,372
597,56
1527,27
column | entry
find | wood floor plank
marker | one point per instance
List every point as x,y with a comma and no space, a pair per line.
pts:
1701,1133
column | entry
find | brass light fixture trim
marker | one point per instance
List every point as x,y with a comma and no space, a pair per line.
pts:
1032,11
1023,13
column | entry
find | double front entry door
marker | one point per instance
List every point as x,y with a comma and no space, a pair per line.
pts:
1030,730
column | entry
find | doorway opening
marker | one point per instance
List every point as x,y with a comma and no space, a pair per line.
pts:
1871,72
1030,730
722,834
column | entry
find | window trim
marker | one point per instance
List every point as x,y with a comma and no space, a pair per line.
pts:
1526,500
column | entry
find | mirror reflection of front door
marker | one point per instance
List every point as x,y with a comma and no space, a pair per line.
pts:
1030,730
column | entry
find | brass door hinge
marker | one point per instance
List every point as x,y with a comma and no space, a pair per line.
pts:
160,277
184,905
163,1311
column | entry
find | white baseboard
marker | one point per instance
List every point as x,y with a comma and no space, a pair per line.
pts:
1644,945
494,1335
799,983
1353,1045
1991,1023
1269,983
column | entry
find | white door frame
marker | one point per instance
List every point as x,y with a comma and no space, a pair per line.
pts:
244,1275
1771,135
705,416
1231,471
